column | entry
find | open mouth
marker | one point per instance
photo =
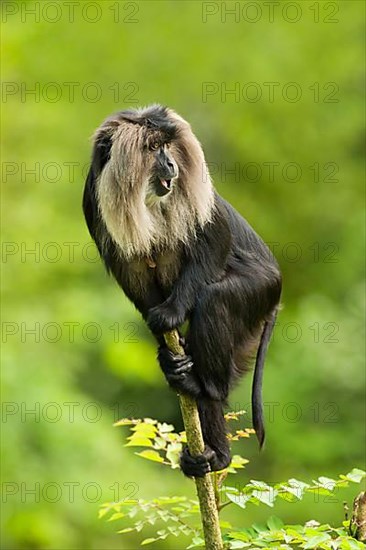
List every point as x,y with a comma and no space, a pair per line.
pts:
167,184
161,186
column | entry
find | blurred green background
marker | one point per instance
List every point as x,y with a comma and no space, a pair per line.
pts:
285,147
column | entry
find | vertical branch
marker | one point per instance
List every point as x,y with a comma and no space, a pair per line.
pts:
204,486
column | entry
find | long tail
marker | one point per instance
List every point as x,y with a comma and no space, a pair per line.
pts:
257,403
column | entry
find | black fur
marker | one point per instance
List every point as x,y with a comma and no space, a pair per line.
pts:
154,117
228,287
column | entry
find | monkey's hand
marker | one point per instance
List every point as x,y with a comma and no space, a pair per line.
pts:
179,372
165,317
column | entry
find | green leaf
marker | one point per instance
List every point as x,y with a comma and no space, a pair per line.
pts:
240,535
298,486
126,530
164,515
148,541
347,543
145,430
173,530
151,455
117,515
125,422
185,529
289,495
274,523
138,441
258,484
133,511
102,512
313,542
173,453
294,534
266,497
259,528
239,499
150,421
128,502
151,519
164,428
238,462
139,525
327,483
295,529
160,443
225,524
355,475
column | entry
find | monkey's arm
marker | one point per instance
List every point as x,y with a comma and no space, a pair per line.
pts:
204,262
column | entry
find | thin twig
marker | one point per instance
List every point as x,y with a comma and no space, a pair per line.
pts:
205,489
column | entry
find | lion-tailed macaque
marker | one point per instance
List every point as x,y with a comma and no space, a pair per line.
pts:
181,253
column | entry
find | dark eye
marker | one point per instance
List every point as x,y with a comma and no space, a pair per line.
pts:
154,146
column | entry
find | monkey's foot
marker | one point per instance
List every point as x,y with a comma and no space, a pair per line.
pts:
178,372
200,465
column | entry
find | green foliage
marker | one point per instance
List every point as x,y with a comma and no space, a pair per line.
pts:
179,515
259,492
277,535
164,445
176,513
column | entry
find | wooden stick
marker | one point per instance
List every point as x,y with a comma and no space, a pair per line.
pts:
358,520
204,486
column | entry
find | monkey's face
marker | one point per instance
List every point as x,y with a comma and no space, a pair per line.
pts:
163,169
151,180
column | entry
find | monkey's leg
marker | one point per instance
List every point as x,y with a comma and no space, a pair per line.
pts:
212,333
216,455
179,372
215,326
